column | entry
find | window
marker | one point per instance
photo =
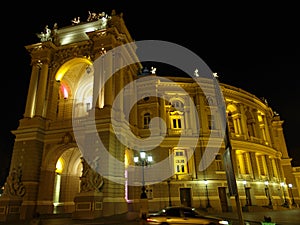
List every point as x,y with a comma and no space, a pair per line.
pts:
230,122
244,163
173,212
211,122
189,213
177,123
146,120
88,106
262,165
219,164
180,161
176,115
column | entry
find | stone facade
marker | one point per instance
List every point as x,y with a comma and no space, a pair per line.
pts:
68,118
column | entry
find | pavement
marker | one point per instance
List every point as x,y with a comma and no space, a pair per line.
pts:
278,217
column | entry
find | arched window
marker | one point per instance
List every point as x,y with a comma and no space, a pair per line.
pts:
230,122
250,124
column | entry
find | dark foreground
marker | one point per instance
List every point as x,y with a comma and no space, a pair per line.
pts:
278,217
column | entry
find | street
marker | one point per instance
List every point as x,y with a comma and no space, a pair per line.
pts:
282,217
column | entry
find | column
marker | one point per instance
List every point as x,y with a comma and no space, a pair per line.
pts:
235,125
98,75
30,102
267,132
254,166
119,80
108,86
163,114
243,120
238,120
41,91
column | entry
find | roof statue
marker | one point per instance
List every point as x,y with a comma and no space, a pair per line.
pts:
76,20
45,35
153,70
215,75
52,34
196,73
96,16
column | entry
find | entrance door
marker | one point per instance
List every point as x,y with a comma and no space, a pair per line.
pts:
185,197
223,199
248,196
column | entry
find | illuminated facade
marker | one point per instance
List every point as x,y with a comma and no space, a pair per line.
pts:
49,174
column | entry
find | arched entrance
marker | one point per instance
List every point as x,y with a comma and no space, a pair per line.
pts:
66,181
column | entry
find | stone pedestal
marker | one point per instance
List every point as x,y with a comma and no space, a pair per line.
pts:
88,205
144,209
10,208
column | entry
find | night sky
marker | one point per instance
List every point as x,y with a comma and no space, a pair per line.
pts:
251,46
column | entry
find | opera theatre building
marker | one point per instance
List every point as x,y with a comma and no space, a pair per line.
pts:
103,135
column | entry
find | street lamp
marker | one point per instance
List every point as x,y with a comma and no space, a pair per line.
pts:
285,204
169,191
291,190
268,193
143,160
207,197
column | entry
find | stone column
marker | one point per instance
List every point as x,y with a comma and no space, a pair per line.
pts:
108,86
31,96
254,165
163,114
119,79
41,91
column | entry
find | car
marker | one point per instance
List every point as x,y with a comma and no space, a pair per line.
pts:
176,215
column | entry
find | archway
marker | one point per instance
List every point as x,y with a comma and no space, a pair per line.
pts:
67,180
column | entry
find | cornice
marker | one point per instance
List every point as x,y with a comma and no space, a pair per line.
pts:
242,96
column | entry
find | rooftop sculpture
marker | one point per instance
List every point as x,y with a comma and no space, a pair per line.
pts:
51,34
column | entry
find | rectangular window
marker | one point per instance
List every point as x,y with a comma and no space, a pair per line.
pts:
211,122
146,120
176,123
179,123
219,164
180,161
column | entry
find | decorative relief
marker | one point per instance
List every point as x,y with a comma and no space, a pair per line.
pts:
13,186
67,139
209,101
63,55
90,179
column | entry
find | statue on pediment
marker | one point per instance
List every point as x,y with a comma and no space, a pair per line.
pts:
49,34
96,16
75,21
45,35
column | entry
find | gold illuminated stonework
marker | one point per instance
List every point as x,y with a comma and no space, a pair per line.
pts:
49,160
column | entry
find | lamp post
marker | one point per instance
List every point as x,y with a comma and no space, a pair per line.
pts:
169,191
143,160
291,190
285,204
268,193
206,192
